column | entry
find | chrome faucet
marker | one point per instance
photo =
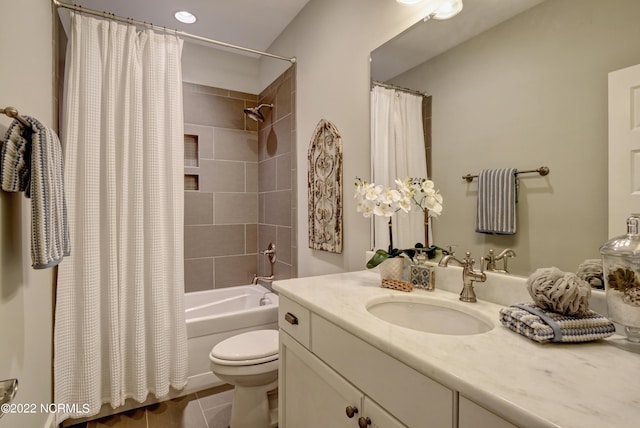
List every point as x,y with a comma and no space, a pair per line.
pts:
491,260
468,274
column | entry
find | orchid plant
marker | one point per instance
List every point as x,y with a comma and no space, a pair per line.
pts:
374,199
428,199
424,195
386,201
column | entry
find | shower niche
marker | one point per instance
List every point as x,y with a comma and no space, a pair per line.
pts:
191,160
191,150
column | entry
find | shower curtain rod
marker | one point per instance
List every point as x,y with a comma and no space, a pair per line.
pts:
88,11
399,88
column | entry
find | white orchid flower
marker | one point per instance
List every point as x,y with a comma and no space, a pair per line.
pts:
405,204
383,210
365,207
435,211
427,186
371,191
389,196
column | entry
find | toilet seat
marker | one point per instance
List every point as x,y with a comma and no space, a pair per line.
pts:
254,347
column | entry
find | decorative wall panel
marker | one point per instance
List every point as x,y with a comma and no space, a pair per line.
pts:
325,188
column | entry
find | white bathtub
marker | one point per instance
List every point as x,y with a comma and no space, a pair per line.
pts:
214,315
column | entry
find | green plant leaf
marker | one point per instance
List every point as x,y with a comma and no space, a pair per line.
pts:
411,252
378,257
382,255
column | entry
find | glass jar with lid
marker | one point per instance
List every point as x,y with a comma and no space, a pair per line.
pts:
621,271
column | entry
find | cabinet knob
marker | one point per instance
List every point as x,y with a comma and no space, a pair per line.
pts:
290,318
351,411
364,422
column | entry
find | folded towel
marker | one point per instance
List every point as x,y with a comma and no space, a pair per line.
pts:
31,161
496,211
543,326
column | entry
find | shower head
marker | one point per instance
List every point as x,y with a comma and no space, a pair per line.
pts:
254,112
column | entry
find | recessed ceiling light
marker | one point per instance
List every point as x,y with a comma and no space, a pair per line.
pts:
184,16
448,9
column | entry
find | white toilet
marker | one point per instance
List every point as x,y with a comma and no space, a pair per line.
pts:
249,361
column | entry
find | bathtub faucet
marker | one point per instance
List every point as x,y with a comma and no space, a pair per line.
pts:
257,278
270,252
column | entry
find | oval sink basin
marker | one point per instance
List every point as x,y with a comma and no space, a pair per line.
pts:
430,316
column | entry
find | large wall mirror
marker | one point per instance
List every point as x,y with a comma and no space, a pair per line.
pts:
520,84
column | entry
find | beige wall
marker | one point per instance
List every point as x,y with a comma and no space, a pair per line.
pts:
26,82
530,92
220,69
332,40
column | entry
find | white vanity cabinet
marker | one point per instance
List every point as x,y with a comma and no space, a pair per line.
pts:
471,415
334,373
312,395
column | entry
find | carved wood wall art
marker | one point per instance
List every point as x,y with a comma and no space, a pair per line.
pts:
325,188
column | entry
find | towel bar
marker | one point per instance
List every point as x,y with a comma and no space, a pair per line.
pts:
543,170
12,112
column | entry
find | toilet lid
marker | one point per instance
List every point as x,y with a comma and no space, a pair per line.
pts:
252,345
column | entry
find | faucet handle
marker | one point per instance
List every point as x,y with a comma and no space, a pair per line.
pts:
467,259
451,249
491,260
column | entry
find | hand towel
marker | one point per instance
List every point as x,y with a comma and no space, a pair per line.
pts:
496,211
543,326
31,161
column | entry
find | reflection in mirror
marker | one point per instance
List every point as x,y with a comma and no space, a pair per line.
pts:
398,151
520,88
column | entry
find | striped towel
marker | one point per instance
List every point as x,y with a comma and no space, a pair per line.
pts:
497,201
31,162
543,326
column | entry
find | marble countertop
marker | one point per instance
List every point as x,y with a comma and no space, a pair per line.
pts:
594,384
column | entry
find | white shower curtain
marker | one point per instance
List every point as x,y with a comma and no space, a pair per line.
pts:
119,321
397,152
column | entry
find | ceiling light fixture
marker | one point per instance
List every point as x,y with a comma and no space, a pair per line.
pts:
448,10
185,17
408,1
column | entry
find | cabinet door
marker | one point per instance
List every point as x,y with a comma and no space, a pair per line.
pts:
413,398
378,416
472,415
311,394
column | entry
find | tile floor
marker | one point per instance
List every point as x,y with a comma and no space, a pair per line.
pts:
206,409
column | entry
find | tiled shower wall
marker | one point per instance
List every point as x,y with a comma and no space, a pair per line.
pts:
243,178
221,161
277,176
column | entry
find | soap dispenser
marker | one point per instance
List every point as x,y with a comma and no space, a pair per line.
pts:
422,274
621,271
